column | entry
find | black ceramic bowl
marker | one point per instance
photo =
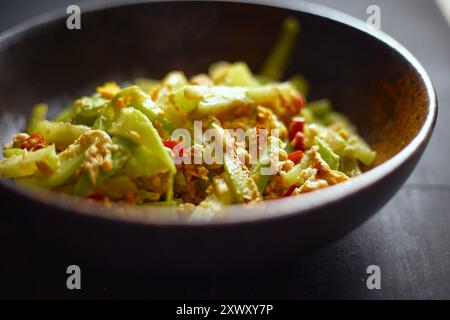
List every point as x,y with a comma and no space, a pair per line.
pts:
367,74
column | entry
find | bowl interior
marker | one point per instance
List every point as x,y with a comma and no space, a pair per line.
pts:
365,78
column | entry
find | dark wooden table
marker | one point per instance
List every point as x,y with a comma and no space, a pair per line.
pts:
409,239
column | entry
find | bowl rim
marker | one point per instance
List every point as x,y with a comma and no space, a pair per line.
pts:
273,209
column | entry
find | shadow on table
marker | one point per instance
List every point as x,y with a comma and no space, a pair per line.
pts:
29,271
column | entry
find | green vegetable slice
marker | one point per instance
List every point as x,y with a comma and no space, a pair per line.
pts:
236,173
70,160
38,114
119,158
216,200
149,156
42,161
363,152
12,152
62,134
134,97
327,153
240,75
320,108
293,176
281,55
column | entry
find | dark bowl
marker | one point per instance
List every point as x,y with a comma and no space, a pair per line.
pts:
367,74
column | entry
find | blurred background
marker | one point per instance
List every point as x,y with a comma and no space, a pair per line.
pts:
409,239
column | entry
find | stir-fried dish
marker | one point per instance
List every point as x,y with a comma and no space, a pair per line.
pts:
224,137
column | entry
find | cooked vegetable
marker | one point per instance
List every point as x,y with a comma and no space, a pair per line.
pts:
38,114
363,152
300,84
327,154
89,153
294,177
200,143
280,57
264,162
8,153
237,175
60,133
119,158
43,161
320,108
219,196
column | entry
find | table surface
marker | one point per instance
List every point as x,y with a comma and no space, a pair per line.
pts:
408,239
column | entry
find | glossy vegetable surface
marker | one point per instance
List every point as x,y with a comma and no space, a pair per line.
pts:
224,137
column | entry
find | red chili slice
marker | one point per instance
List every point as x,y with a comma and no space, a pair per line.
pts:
171,144
298,141
34,142
299,102
297,125
289,192
296,156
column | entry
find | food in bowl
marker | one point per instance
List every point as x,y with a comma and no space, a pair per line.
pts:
224,137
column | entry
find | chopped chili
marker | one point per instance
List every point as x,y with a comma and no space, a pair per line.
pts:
296,156
290,191
299,141
34,142
297,125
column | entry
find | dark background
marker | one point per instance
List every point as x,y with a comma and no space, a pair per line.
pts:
409,238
